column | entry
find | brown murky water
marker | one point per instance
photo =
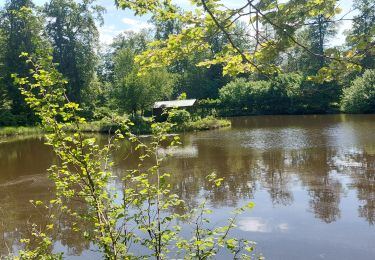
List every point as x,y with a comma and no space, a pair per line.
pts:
312,179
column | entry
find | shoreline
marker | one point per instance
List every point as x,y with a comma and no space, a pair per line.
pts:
204,124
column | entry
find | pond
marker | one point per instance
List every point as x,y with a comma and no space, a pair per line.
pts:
312,179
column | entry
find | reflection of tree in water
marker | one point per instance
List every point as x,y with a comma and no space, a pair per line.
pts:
73,241
325,200
317,168
275,177
323,187
17,215
364,181
22,178
360,167
188,173
22,158
243,168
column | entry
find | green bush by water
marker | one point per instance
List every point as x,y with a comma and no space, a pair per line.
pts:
360,96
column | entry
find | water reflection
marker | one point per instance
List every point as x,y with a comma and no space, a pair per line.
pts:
261,225
290,165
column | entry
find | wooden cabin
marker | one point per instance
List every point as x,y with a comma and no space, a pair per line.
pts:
161,106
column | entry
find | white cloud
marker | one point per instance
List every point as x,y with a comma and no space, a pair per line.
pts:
254,225
283,227
107,33
261,226
136,25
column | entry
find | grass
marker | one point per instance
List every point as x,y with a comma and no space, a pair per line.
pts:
207,123
20,130
92,127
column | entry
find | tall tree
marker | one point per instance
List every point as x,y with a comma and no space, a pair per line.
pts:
315,38
198,82
22,31
3,89
71,27
361,37
320,32
164,28
135,92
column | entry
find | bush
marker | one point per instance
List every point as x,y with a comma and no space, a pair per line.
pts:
268,98
321,97
285,94
360,96
208,123
276,96
7,118
179,116
291,85
236,94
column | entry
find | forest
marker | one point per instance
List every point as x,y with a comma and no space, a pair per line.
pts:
297,69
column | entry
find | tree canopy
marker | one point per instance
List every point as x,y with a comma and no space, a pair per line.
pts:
197,51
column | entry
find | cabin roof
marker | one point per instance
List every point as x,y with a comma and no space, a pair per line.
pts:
175,103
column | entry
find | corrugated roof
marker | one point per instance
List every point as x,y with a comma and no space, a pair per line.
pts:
175,103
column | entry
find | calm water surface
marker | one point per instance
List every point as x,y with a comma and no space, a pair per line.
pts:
312,179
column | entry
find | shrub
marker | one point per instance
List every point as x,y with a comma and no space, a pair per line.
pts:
208,123
291,85
286,93
236,94
320,97
7,118
360,96
265,97
260,96
179,116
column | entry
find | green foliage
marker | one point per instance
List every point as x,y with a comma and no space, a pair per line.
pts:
195,51
291,84
97,102
43,245
360,96
236,94
208,19
142,214
7,118
179,116
209,103
361,36
318,35
198,82
182,96
21,30
207,123
320,97
255,96
283,94
12,131
135,92
268,98
140,92
71,27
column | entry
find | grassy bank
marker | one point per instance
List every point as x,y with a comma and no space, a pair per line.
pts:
140,127
20,130
208,123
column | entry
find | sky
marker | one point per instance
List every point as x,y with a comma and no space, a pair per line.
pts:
117,21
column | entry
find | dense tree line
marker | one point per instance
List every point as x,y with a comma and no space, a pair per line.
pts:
306,77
